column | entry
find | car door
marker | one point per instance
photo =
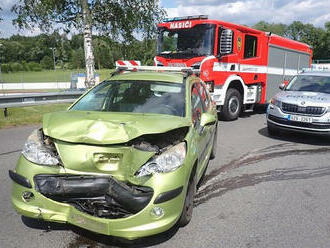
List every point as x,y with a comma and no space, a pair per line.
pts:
210,108
201,134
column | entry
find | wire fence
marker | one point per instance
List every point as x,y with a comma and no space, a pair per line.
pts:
38,76
46,81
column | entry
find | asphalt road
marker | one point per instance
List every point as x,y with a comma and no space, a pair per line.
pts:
259,192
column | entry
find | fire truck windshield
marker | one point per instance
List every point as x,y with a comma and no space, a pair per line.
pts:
186,43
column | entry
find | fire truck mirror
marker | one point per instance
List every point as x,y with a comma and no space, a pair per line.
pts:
226,42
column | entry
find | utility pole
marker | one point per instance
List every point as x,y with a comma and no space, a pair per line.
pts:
53,48
0,63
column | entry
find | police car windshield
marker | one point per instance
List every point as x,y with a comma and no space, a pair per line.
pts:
310,83
186,42
135,97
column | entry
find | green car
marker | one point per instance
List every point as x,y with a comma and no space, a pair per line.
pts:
124,159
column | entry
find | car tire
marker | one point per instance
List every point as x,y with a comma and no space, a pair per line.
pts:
233,105
188,205
215,143
273,131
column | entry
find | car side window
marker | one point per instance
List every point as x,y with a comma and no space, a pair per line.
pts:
196,104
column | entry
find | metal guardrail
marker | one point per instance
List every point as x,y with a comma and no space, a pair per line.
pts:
321,61
23,100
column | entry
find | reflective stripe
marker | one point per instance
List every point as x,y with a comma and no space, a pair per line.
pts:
235,67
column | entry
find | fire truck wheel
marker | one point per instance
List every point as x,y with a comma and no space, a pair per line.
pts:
233,105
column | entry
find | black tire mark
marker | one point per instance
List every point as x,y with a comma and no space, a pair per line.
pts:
10,152
213,186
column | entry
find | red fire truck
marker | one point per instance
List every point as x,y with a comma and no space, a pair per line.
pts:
241,66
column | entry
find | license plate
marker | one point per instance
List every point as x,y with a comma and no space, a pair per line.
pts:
300,118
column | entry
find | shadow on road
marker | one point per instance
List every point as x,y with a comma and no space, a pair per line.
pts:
85,238
259,110
295,137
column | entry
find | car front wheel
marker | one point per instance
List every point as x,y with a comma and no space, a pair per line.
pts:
188,206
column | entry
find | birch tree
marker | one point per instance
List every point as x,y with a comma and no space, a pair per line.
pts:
120,19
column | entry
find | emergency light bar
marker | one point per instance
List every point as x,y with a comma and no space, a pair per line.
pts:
186,18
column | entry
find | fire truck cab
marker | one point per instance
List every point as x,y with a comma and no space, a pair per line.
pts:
241,66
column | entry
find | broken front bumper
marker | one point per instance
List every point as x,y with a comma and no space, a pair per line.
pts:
54,192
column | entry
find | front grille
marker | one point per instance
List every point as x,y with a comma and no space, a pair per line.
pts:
309,110
319,125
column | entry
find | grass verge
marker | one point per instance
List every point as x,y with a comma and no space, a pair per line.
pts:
48,76
28,115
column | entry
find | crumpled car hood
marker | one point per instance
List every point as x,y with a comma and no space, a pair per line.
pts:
102,128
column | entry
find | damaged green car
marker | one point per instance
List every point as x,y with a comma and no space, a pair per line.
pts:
124,159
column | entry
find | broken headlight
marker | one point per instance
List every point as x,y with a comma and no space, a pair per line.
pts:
168,161
36,151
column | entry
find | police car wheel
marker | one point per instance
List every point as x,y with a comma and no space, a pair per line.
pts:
233,105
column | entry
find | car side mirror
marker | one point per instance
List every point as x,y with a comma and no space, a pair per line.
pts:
282,86
207,119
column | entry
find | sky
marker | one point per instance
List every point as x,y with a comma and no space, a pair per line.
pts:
247,12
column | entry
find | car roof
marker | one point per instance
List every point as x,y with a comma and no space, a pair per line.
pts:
151,76
317,73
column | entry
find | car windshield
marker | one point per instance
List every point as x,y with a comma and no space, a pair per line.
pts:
310,83
186,43
136,97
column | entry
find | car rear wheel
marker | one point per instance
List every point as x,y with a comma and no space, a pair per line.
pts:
233,105
188,206
215,142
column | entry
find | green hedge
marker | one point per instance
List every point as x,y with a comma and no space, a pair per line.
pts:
16,67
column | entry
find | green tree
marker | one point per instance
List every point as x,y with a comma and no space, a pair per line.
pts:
275,28
77,59
317,38
295,30
47,63
120,19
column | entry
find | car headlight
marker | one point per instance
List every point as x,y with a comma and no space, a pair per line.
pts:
276,102
169,160
36,151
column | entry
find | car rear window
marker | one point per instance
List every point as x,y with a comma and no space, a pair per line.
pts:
135,97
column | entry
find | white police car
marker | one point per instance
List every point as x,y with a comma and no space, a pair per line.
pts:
303,105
